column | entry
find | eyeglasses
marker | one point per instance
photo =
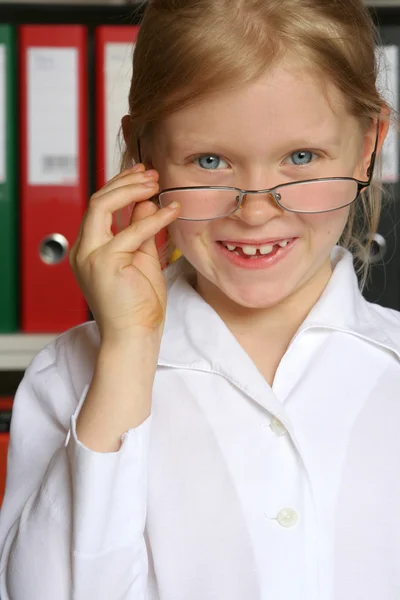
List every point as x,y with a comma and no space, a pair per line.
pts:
207,203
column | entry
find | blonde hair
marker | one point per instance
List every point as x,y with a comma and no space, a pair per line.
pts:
187,49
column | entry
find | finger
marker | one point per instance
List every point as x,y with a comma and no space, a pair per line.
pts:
143,209
134,236
126,197
120,177
138,168
96,230
127,178
76,244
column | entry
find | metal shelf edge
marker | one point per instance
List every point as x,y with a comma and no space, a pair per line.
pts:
17,350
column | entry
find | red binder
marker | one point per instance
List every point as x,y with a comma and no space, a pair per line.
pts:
5,416
54,172
114,52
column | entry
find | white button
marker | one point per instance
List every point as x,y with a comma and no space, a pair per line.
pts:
288,517
277,427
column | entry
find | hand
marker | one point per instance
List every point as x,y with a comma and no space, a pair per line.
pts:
120,275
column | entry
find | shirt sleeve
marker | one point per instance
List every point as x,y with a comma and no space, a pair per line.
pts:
72,520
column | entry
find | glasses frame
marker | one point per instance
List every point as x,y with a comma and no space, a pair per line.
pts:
361,185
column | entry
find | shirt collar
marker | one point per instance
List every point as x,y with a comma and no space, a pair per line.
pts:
196,337
342,307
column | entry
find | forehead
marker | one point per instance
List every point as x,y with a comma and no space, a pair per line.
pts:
285,102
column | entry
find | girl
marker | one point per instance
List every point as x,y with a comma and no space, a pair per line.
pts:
241,443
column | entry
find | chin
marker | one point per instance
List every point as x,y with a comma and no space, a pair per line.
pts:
256,296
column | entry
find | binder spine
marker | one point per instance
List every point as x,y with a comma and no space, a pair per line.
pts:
6,404
8,183
114,46
54,172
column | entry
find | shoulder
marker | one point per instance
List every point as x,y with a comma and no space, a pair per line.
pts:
387,317
387,320
71,356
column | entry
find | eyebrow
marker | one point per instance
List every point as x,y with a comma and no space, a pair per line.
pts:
189,143
310,140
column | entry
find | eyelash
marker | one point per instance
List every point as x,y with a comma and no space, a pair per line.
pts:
199,156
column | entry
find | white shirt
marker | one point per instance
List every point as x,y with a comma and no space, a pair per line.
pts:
230,490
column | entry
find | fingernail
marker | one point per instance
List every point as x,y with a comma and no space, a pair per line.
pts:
137,167
150,184
150,173
173,205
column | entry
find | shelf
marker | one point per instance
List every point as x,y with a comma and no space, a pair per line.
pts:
90,14
17,350
70,3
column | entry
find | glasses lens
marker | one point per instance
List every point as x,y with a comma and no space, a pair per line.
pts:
317,196
202,203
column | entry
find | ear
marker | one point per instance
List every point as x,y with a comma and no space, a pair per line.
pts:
126,128
370,138
384,124
126,124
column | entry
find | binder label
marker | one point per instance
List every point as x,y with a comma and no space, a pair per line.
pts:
53,118
3,84
118,74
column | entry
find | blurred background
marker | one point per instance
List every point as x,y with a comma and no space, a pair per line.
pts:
65,71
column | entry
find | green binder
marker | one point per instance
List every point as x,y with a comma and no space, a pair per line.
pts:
8,182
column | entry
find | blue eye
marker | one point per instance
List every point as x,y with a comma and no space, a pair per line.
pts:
210,162
302,157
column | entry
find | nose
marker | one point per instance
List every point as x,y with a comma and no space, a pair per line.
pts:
257,209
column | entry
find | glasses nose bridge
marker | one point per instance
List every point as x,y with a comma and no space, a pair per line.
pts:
265,192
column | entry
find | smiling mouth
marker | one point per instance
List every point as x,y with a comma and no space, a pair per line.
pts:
252,251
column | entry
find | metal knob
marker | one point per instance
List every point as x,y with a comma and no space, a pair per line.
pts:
53,249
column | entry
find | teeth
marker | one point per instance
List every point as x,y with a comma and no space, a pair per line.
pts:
249,250
266,249
252,250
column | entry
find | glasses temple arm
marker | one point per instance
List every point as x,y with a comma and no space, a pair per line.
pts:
370,169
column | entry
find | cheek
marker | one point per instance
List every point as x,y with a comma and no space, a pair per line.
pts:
187,235
327,226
